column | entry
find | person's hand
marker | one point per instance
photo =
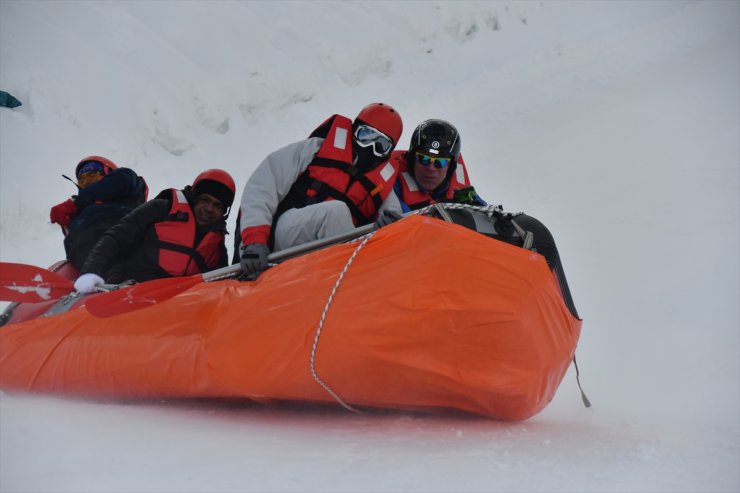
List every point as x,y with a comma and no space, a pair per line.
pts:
63,213
387,217
87,283
465,195
254,258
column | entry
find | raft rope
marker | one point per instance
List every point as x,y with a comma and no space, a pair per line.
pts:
321,326
489,210
586,402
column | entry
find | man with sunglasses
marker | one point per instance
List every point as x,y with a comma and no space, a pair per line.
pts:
337,179
433,170
105,194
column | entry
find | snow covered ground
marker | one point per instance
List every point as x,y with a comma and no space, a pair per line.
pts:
615,123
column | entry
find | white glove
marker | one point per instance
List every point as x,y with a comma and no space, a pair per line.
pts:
86,283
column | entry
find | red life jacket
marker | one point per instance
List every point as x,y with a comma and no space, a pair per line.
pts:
178,253
331,176
413,195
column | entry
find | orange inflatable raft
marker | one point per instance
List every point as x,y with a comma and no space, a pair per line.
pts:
426,315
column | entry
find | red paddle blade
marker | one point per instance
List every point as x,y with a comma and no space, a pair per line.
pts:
138,296
30,284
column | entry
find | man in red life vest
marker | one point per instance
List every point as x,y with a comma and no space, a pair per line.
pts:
105,194
337,179
179,233
433,170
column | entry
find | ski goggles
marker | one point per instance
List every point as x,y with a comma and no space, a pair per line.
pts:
91,167
437,162
88,178
367,136
89,173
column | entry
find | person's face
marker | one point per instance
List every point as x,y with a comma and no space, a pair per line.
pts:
428,176
208,209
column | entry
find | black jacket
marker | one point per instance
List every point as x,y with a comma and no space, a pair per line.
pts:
130,249
100,206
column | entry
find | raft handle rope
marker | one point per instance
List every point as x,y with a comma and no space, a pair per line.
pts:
527,236
315,375
442,212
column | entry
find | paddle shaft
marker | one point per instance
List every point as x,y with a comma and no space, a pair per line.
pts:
294,251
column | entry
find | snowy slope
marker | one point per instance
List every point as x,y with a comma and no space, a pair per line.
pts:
615,123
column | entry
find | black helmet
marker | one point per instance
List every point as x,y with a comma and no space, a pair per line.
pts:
436,138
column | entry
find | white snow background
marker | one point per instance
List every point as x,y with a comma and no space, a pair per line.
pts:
617,124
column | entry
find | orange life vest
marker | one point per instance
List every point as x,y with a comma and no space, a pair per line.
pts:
331,176
178,253
414,196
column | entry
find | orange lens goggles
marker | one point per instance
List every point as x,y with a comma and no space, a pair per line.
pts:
86,179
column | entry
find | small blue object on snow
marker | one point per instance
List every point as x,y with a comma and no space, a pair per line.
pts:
8,100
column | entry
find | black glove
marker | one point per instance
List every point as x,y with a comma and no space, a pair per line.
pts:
465,195
386,218
254,258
